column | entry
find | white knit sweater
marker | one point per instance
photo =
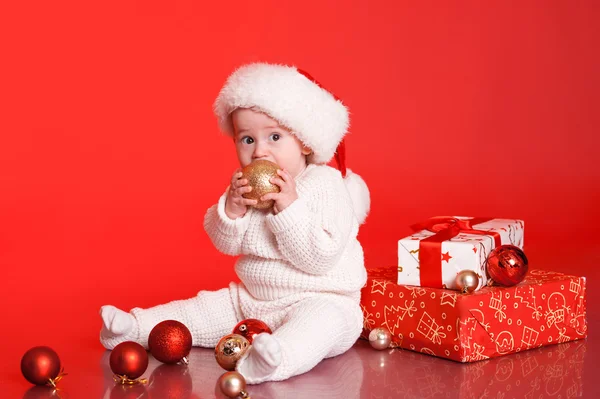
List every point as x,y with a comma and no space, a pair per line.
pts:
301,270
310,246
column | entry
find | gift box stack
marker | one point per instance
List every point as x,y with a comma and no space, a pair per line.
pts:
420,305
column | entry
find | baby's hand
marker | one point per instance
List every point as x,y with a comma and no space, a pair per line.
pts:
288,193
236,205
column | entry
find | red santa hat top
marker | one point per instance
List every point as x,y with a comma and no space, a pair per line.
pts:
297,101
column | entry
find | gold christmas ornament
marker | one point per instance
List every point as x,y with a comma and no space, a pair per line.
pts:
467,281
258,174
230,349
233,385
380,338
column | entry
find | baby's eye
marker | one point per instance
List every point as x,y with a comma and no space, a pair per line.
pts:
247,140
275,136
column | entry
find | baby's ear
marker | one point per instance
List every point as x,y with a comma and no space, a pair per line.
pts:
306,150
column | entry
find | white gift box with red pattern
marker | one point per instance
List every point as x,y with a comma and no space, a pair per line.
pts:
443,246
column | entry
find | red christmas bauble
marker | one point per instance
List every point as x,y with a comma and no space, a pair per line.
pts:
170,382
129,359
40,364
170,341
251,327
507,265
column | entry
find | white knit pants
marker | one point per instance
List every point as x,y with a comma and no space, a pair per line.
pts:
309,327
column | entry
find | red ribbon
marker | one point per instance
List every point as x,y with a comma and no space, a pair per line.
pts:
430,248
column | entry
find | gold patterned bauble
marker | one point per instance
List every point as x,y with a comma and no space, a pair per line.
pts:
258,174
380,338
230,349
233,385
467,281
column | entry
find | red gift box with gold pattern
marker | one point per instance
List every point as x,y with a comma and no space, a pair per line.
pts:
544,309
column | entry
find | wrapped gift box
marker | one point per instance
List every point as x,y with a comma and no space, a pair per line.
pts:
443,246
545,308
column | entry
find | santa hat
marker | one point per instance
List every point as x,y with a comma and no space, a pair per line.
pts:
297,101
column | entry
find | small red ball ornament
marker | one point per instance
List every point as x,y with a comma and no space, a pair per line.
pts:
507,265
128,359
40,365
170,342
249,328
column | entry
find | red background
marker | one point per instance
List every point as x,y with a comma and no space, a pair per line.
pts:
110,154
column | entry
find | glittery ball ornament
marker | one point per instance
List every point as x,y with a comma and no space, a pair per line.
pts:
258,174
230,349
170,342
380,338
250,328
467,281
40,365
507,265
129,359
233,385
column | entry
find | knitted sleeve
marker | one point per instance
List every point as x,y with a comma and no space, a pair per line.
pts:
226,234
314,230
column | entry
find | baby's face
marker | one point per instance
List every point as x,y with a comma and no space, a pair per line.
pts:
258,136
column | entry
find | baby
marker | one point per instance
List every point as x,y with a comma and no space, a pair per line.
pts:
301,266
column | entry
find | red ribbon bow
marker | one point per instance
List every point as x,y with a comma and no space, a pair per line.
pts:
430,248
